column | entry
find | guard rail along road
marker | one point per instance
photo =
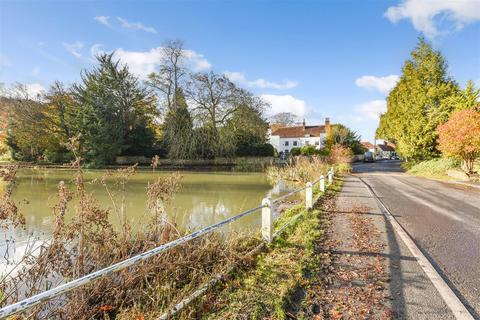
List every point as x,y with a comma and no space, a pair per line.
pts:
267,209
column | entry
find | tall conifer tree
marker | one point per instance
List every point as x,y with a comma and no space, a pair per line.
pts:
414,106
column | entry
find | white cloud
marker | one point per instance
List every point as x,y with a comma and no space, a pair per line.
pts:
285,103
236,76
142,63
371,109
103,20
260,83
74,48
33,90
135,25
197,61
428,16
382,84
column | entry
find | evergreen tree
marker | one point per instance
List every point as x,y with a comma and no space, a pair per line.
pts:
178,129
115,112
343,136
464,99
247,128
414,106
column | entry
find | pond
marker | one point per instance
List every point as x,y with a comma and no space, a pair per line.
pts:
203,199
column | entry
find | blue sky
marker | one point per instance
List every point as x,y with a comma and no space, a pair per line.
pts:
318,59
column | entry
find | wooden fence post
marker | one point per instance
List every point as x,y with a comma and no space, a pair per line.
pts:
322,183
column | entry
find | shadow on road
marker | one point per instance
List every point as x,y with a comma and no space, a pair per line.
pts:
379,166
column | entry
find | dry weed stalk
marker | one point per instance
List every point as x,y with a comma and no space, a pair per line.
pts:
300,171
155,163
9,214
90,242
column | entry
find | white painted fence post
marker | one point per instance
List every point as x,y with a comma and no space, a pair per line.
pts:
322,183
309,196
330,177
267,220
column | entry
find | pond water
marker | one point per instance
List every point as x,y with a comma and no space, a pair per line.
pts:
204,198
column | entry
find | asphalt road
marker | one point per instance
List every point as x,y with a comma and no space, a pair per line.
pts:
442,218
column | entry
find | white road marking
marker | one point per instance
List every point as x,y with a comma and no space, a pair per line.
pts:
452,301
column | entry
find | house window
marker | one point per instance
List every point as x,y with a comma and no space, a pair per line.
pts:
295,143
286,143
307,143
317,143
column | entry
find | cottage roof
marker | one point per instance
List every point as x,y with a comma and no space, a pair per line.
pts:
367,144
384,147
299,131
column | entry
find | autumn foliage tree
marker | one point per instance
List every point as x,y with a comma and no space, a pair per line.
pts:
459,137
341,154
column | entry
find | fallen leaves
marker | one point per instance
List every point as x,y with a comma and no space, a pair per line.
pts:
354,280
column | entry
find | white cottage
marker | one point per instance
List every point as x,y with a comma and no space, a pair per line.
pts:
283,139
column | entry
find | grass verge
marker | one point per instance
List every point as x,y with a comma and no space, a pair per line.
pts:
435,168
276,286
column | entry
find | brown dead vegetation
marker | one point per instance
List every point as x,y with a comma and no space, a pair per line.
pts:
90,242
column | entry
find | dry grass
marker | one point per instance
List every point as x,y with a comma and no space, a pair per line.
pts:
9,214
303,170
89,242
307,168
275,288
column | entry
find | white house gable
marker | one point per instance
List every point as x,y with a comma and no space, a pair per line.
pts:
283,139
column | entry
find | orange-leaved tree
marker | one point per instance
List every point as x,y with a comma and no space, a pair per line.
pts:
459,137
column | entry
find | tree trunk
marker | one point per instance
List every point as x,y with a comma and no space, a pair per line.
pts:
467,165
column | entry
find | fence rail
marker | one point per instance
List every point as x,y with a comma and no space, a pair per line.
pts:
267,208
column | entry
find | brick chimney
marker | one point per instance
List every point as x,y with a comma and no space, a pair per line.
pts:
327,125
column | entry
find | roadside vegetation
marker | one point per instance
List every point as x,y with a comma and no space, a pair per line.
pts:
278,286
303,169
89,241
434,168
430,117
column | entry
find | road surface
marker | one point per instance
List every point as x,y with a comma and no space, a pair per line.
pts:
442,218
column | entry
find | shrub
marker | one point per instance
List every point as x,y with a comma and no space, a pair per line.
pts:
308,151
343,167
296,151
304,169
459,137
434,167
341,154
256,150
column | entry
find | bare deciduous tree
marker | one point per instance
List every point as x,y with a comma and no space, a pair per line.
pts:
214,97
171,73
284,119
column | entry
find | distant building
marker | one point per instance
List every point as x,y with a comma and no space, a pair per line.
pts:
283,139
386,150
368,145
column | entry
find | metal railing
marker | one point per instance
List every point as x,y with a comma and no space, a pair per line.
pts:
267,234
